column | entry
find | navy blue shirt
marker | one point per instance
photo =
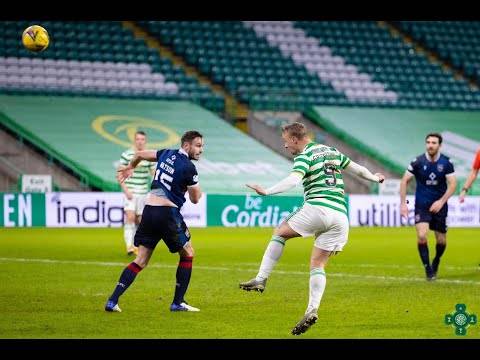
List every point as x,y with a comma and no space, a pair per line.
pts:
431,178
175,171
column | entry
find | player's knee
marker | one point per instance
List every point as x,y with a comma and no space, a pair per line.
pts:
141,261
141,264
190,252
187,250
422,239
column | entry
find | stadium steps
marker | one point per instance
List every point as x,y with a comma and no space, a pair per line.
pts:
17,158
233,107
432,56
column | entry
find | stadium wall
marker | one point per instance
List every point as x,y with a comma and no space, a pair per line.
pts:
105,209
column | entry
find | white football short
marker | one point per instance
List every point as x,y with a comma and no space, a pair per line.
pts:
330,227
136,204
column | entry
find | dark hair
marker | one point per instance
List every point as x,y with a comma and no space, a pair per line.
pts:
295,129
189,136
140,132
437,135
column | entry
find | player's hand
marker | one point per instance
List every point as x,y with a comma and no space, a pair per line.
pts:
404,210
258,189
123,173
461,198
381,177
129,195
436,206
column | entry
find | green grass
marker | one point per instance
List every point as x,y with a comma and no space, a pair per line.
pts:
375,288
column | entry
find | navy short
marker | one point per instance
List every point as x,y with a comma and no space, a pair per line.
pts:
436,222
162,223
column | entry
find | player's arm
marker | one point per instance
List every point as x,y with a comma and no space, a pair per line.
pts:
126,191
362,172
471,177
409,174
286,184
124,172
468,183
194,193
149,155
403,188
301,164
451,187
193,187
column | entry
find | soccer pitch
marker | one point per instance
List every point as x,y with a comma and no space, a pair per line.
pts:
54,284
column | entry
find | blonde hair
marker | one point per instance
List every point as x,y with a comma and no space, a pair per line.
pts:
295,129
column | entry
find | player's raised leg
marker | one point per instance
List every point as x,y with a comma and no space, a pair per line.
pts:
271,256
127,277
440,247
422,244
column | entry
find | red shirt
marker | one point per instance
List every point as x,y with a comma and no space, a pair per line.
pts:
476,162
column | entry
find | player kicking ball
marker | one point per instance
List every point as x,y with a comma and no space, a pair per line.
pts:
323,214
175,174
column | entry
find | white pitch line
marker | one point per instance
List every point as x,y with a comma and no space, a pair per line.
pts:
214,268
389,266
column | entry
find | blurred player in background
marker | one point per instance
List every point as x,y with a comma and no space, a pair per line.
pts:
135,189
435,184
175,174
323,214
471,177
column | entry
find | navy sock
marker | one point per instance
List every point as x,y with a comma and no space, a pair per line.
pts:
184,272
440,249
126,279
423,250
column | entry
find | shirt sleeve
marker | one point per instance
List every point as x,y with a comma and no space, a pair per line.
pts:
192,176
476,162
344,161
412,168
159,153
123,159
450,169
301,164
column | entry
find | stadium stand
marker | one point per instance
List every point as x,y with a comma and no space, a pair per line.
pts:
268,65
389,60
92,142
252,70
104,60
293,65
455,41
395,136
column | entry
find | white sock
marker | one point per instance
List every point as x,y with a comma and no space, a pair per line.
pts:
318,280
272,255
128,233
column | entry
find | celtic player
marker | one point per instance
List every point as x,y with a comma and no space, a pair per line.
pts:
323,213
135,189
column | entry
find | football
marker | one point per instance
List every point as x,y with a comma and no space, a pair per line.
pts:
35,38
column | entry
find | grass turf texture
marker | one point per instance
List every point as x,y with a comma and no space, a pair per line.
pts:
54,284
